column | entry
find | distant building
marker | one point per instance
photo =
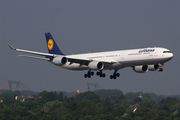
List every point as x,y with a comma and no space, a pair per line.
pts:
141,96
135,109
23,98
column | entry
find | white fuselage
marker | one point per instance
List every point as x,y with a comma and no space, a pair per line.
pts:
123,58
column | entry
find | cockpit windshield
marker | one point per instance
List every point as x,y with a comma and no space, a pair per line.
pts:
166,51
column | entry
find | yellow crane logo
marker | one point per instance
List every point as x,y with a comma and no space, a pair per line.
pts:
50,44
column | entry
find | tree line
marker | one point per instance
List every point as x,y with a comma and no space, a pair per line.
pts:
97,105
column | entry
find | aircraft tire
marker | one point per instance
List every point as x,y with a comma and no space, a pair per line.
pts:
117,74
85,75
89,75
98,73
103,75
111,77
160,69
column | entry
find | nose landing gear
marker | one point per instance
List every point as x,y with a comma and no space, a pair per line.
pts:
160,69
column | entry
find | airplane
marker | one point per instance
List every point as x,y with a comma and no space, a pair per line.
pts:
141,60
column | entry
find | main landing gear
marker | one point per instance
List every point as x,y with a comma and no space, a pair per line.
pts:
100,74
115,75
89,74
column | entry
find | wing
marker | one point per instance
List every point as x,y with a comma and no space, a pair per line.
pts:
46,55
49,57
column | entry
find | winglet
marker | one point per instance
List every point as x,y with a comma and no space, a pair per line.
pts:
11,47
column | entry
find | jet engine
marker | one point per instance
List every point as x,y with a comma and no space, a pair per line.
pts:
95,65
59,60
153,67
140,69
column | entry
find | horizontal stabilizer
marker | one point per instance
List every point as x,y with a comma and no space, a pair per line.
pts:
40,58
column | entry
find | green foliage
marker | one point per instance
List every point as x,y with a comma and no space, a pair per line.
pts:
46,97
98,105
88,96
60,96
132,96
109,93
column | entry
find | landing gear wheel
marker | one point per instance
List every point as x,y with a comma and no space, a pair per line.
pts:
103,75
89,75
160,69
85,75
117,74
100,74
114,77
111,77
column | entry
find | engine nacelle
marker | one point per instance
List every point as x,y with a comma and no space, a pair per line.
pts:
59,60
95,65
153,67
140,69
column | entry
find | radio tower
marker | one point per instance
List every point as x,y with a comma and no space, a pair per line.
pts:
18,86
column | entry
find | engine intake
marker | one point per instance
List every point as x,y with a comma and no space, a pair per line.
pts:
140,69
95,65
59,60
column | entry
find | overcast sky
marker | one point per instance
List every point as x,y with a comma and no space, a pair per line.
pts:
83,26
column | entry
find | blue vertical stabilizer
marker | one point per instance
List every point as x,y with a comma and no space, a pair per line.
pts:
51,45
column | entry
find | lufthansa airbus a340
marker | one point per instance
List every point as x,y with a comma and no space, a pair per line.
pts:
141,60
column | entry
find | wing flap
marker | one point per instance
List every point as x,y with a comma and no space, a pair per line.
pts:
47,59
80,61
86,61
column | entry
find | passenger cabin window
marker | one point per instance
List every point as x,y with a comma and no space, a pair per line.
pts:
166,51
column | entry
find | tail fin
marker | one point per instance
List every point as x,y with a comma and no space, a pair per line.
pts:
51,45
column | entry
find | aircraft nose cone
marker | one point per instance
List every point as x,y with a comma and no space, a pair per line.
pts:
171,56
